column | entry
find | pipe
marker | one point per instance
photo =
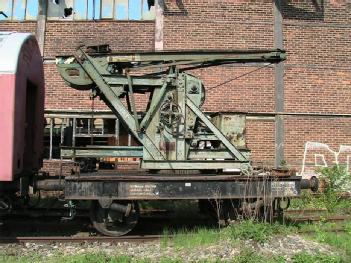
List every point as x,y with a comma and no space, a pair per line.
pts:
50,185
124,209
311,184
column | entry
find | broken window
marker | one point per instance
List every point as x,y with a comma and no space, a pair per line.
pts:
19,9
60,9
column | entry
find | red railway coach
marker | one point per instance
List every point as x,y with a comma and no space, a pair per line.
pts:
21,108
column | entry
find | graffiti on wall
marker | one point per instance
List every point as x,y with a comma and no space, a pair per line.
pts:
318,155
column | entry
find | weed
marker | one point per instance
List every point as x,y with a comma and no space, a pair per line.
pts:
257,231
307,201
20,259
195,238
251,256
339,240
336,178
92,258
305,257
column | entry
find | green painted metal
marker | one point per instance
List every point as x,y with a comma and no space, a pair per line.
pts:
102,151
195,164
236,153
198,56
232,126
174,133
131,97
90,67
136,152
146,120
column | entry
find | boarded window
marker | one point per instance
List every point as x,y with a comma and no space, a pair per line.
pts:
107,9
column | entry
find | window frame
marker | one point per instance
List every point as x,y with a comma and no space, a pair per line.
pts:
90,7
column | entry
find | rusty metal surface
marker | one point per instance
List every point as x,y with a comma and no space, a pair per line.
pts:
232,125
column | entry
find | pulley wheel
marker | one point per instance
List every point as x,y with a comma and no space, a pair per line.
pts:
111,222
170,114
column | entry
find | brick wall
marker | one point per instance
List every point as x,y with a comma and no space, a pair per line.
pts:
317,77
64,37
27,27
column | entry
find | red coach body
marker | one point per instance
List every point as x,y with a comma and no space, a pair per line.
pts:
21,105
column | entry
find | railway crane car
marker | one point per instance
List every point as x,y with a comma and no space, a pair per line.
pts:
185,154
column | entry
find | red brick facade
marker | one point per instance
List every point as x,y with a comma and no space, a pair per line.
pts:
317,73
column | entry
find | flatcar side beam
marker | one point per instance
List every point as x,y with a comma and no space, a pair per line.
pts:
115,189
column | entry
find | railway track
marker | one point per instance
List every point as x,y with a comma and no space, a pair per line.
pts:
80,239
294,216
313,215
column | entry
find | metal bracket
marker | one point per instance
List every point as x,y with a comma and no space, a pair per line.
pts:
72,210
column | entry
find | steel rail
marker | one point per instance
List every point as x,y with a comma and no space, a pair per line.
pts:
78,239
313,215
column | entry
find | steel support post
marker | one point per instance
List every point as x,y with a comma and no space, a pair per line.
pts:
279,86
159,24
41,25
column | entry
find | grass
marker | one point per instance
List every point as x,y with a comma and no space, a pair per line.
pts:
243,230
245,256
81,258
309,201
250,256
339,240
192,239
316,258
257,231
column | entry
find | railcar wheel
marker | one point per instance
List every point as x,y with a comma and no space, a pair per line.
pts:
116,220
